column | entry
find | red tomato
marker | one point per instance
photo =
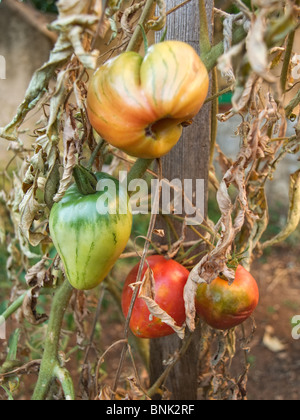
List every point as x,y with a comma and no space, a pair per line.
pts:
170,278
223,306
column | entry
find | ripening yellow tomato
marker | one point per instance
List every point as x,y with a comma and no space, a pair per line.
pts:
139,104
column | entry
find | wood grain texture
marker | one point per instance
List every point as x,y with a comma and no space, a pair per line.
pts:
188,160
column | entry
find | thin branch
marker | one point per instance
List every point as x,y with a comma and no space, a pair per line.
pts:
101,360
287,60
214,113
32,16
33,364
96,318
13,307
178,7
139,277
137,37
50,357
292,105
204,39
218,94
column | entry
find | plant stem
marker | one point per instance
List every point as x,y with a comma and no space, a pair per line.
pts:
287,60
292,105
204,39
95,153
210,59
214,120
139,169
13,307
50,362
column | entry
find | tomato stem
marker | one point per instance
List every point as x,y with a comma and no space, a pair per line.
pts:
85,180
139,169
210,58
137,38
146,44
204,39
50,366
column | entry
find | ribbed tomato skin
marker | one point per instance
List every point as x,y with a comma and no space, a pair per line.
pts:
170,278
223,306
138,104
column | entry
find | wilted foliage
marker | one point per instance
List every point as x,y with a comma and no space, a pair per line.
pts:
64,137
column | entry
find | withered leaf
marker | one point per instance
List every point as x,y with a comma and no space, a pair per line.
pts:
52,184
159,232
147,293
29,307
69,136
39,274
257,48
71,23
72,7
29,210
106,393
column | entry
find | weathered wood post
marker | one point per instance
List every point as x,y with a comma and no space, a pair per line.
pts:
188,160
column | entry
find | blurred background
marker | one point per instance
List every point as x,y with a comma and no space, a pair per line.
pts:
275,361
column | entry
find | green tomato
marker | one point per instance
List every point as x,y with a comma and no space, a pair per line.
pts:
91,231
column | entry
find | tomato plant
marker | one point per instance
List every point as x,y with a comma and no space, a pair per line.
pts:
88,241
225,306
139,104
169,280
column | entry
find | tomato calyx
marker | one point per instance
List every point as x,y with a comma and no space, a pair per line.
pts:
233,262
85,179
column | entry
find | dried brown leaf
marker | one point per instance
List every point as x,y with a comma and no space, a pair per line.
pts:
106,393
29,307
173,251
72,7
39,274
80,312
52,184
71,24
147,293
30,210
70,150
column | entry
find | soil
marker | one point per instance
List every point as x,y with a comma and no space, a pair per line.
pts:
275,375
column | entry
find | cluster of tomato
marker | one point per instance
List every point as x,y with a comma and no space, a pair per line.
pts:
140,105
221,305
